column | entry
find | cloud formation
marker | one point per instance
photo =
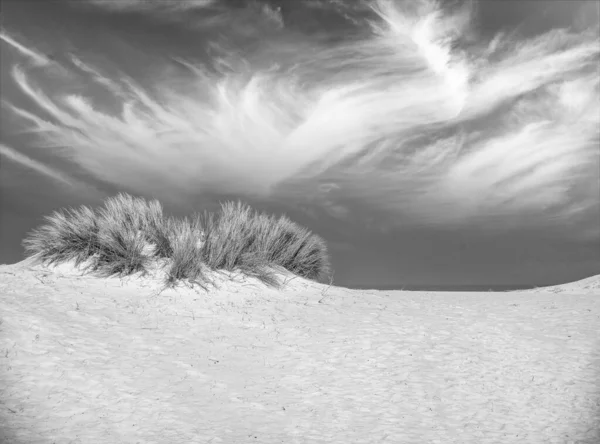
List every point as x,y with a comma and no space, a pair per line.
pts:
32,164
414,119
151,5
35,58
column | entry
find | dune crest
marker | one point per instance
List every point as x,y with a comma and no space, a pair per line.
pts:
590,285
106,360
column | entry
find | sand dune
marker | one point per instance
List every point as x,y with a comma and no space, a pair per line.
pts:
589,285
90,360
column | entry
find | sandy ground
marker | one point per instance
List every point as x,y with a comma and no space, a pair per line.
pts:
89,360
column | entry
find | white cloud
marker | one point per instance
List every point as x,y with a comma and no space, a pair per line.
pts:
34,165
402,122
151,5
32,55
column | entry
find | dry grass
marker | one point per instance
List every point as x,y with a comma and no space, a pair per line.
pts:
128,234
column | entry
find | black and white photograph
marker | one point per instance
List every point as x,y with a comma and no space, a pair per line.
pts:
299,221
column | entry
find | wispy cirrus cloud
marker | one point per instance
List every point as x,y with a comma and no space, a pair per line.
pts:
151,5
36,58
32,164
404,121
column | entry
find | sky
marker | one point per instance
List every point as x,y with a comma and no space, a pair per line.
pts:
430,143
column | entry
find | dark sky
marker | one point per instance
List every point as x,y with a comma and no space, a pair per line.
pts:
445,145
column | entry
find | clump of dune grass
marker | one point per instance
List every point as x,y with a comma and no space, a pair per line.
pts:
241,238
114,238
128,234
186,246
70,234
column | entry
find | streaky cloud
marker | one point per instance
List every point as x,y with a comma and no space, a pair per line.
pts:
151,5
33,56
32,164
400,119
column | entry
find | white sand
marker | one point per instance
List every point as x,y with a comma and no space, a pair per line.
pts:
89,360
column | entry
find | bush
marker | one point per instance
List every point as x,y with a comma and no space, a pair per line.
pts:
126,234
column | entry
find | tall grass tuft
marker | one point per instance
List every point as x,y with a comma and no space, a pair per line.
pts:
127,225
127,234
229,237
296,249
122,251
241,238
70,234
186,247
